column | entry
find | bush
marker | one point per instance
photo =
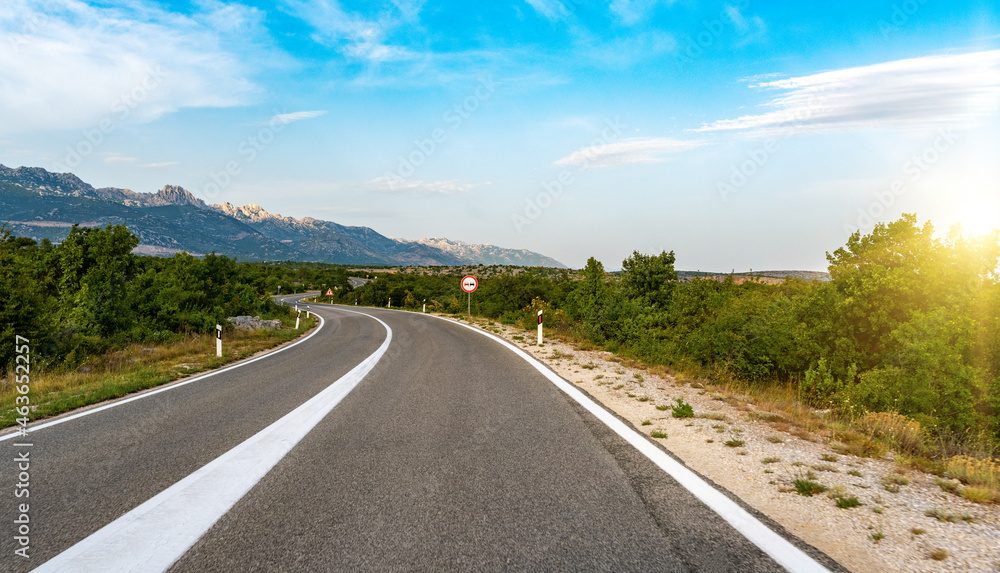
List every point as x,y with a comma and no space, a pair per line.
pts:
682,409
898,430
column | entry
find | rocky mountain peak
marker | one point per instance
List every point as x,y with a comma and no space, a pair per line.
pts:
251,212
47,182
176,195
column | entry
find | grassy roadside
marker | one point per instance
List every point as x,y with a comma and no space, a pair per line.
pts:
137,367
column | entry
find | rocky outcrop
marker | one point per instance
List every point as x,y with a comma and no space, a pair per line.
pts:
253,323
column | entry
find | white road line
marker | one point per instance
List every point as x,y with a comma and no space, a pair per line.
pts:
777,547
154,535
167,388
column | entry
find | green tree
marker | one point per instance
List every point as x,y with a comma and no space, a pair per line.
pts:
651,277
96,266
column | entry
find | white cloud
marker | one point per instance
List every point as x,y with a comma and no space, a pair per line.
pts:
551,9
751,29
404,186
65,64
631,12
118,159
286,118
161,165
354,35
901,95
628,152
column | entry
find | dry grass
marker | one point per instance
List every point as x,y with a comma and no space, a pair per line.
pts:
982,477
897,430
133,368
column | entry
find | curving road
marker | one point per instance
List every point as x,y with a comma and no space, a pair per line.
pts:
387,441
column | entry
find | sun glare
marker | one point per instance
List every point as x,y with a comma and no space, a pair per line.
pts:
980,221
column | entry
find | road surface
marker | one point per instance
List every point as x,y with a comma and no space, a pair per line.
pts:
450,453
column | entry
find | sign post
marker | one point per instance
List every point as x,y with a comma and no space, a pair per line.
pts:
329,293
218,340
539,328
469,284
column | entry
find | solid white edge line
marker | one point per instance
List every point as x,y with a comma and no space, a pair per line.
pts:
154,535
165,388
777,547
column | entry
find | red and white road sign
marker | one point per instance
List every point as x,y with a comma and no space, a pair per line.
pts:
469,283
329,292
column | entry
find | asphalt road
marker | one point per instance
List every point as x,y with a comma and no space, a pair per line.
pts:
451,454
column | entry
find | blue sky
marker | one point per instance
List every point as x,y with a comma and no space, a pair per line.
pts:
738,134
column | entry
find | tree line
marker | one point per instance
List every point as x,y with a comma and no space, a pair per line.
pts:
90,293
909,323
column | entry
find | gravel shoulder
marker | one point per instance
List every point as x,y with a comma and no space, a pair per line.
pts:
888,531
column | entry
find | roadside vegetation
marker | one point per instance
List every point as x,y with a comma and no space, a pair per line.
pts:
102,322
901,350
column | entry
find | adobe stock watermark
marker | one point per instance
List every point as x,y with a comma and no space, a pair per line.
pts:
248,149
555,187
454,117
31,26
793,122
899,17
711,31
122,107
913,169
742,173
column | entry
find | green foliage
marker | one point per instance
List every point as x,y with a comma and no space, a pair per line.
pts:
847,502
649,277
909,324
808,488
682,409
91,293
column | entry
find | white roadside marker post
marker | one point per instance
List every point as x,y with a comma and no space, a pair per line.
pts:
218,340
425,305
390,302
297,315
539,328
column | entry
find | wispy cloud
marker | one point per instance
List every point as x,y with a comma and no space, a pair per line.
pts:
161,165
900,95
631,12
70,64
405,186
355,36
628,152
285,118
111,159
550,9
752,29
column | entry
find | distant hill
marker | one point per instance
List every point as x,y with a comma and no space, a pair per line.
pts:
491,255
40,204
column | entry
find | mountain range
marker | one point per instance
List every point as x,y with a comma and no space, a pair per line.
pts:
40,204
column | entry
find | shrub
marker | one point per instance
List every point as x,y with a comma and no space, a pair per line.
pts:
682,410
808,488
847,502
981,472
899,431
